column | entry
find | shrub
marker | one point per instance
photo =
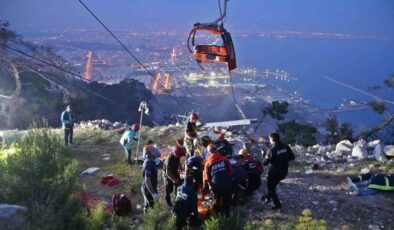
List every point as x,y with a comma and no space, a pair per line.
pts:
158,218
97,216
42,176
307,222
218,222
296,133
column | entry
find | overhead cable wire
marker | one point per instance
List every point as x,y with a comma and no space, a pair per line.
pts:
129,52
47,63
16,51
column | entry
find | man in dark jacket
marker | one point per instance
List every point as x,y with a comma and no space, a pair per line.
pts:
217,175
171,168
185,203
254,169
149,174
240,179
278,158
68,119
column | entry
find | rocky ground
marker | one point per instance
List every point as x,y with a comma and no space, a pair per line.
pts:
316,180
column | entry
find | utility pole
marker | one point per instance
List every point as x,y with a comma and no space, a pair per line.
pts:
143,109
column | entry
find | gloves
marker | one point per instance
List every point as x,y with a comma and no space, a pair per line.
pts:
155,196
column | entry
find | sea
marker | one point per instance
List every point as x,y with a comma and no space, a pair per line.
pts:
363,64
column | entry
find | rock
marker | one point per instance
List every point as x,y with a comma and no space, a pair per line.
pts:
373,227
373,144
322,150
117,125
364,170
13,216
360,152
315,203
389,150
333,202
343,147
308,171
378,153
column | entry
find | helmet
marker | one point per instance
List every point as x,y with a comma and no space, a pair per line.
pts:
243,152
212,148
135,127
179,151
193,116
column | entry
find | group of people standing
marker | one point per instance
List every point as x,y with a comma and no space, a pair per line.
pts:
222,177
192,176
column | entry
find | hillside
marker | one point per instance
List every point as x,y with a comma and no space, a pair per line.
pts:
322,190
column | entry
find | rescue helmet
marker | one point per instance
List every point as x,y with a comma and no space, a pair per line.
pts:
179,151
212,148
135,127
193,116
243,152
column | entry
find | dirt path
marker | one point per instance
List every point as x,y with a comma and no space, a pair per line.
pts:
326,196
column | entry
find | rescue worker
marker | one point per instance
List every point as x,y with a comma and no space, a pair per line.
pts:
127,139
157,152
254,170
278,158
240,179
67,118
217,175
205,140
372,182
191,134
149,175
195,170
171,168
185,205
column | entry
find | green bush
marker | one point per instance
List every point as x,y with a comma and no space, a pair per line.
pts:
296,133
97,217
158,218
42,176
306,222
218,222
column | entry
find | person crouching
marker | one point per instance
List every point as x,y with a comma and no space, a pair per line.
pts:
217,175
185,205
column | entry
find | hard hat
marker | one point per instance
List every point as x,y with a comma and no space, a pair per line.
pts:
193,116
243,152
179,151
136,127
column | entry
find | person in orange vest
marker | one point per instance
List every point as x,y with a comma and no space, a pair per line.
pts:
217,175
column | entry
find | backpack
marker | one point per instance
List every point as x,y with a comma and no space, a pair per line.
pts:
121,204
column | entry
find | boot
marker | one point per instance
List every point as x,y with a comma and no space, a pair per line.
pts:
168,200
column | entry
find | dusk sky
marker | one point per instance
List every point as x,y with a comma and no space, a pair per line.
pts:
356,17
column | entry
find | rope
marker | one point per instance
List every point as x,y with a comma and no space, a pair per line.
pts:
232,91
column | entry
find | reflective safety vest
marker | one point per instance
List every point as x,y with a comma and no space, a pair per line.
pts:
382,182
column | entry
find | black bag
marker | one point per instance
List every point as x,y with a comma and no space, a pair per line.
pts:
121,204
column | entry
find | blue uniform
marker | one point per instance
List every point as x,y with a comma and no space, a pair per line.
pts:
185,204
149,169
